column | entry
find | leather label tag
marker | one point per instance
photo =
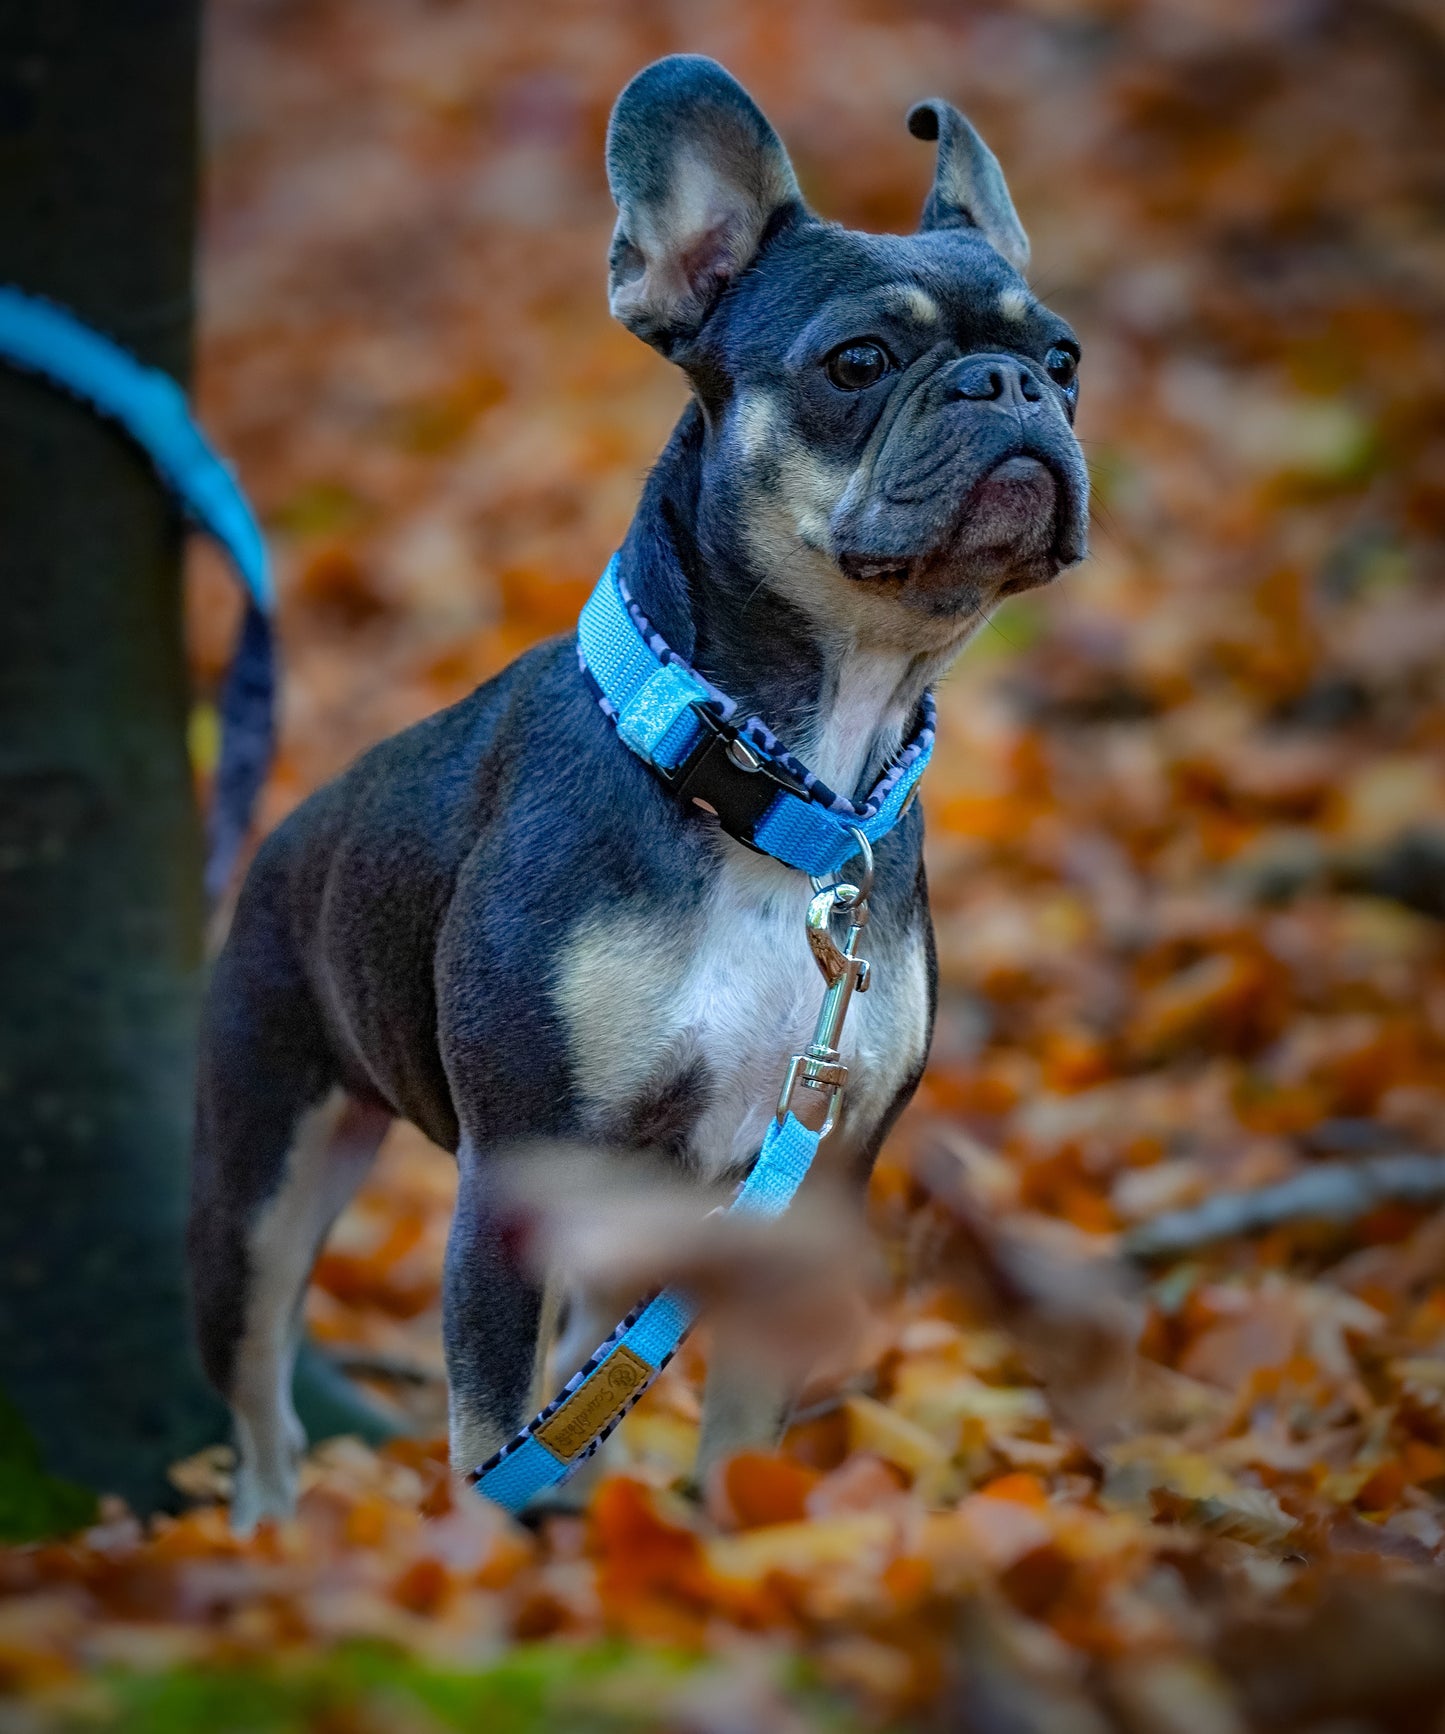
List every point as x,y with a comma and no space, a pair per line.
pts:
594,1403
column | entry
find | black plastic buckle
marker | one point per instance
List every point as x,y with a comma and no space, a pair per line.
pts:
727,775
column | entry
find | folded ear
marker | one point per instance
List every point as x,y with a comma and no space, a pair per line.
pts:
969,191
697,174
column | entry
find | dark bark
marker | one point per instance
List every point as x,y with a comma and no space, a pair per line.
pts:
100,909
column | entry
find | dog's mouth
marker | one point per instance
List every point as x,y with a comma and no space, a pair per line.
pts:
1011,533
868,570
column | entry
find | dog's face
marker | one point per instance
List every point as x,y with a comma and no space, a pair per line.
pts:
889,419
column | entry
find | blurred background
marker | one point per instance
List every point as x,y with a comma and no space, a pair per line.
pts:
1186,824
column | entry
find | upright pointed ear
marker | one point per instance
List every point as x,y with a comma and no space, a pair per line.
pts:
698,175
969,191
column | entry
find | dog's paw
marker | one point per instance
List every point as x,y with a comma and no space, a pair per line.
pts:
255,1499
267,1478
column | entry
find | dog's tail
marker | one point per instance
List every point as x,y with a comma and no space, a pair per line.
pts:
248,742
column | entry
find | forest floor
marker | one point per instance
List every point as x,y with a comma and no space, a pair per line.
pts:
1080,1464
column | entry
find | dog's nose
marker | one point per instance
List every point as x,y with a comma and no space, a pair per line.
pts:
1000,379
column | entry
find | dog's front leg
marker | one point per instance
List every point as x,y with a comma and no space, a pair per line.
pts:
495,1323
746,1400
777,1338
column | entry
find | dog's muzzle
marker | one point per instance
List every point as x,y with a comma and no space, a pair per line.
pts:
975,482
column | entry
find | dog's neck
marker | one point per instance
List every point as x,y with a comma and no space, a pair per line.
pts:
841,707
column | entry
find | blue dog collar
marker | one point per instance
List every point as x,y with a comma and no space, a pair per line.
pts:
689,733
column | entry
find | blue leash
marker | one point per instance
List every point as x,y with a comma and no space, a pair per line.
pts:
689,734
40,338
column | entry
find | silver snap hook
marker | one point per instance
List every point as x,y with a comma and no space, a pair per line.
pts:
850,894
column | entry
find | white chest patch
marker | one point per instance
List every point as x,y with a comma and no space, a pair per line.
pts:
861,722
736,988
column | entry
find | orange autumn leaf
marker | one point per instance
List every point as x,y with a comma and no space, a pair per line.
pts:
1223,998
756,1488
1017,1489
644,1556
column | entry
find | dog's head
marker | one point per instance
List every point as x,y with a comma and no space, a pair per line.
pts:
889,438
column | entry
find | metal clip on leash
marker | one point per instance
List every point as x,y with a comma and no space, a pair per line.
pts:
820,1071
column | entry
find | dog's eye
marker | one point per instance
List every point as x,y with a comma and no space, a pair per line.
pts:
1062,364
856,366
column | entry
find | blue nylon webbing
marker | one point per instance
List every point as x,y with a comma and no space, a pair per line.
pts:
650,700
526,1466
801,831
520,1476
42,338
39,337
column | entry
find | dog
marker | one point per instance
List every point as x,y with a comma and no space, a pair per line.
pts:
501,924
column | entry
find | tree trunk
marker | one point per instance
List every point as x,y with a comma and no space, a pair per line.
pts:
100,910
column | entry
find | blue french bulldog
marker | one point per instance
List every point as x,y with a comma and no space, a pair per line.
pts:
545,915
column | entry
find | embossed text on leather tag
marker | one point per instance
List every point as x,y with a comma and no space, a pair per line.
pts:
594,1403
